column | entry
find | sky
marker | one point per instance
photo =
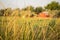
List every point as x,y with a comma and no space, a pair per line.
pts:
23,3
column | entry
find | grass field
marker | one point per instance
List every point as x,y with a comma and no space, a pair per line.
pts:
16,28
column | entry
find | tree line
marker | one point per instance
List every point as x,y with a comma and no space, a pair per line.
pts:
51,6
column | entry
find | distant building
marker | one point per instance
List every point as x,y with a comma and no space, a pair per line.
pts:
43,14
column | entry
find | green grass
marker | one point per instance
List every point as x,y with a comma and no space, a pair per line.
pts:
16,28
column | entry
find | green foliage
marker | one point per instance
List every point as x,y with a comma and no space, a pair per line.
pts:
53,6
31,8
1,12
38,10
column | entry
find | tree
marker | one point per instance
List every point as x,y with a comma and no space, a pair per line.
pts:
1,12
53,6
7,12
29,8
38,10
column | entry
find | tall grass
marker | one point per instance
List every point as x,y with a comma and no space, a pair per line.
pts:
16,28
